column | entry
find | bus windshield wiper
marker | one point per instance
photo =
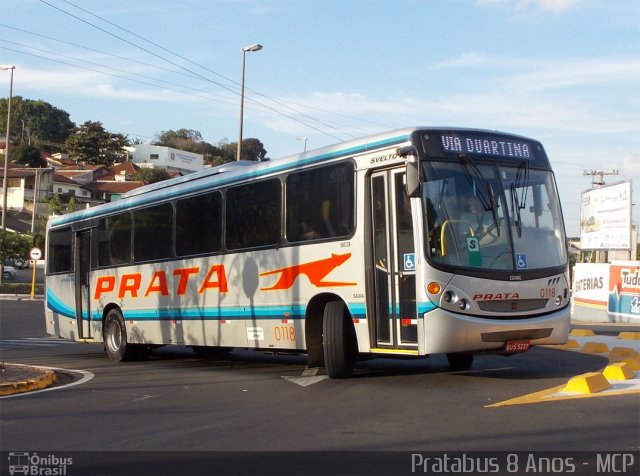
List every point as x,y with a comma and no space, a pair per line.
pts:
519,189
522,182
516,206
488,198
494,207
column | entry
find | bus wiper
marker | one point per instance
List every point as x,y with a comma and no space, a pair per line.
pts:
515,205
522,182
494,208
519,199
488,200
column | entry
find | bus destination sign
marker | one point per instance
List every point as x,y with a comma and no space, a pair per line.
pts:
486,145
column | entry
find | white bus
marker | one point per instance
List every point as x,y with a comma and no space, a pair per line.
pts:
407,243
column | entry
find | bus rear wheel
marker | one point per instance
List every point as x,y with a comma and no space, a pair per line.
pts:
339,341
115,338
459,361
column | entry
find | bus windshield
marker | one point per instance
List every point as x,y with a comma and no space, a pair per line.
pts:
492,216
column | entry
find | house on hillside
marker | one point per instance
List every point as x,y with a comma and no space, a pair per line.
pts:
110,191
23,184
89,185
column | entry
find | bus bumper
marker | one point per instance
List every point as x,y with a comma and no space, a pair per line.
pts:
444,331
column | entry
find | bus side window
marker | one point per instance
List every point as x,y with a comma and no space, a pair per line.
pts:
117,249
152,232
199,224
59,256
319,203
253,214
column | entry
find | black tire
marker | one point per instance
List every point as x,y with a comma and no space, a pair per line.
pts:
6,275
115,338
206,352
459,361
339,341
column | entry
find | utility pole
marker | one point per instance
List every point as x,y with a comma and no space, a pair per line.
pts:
601,174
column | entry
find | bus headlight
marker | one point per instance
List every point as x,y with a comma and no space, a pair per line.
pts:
558,301
463,305
450,297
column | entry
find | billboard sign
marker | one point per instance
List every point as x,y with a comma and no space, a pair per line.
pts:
605,218
591,284
624,289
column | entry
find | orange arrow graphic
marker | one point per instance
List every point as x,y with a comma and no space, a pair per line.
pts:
315,271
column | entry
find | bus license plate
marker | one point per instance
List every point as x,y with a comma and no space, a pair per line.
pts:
513,346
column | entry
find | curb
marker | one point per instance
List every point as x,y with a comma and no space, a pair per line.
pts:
21,297
16,378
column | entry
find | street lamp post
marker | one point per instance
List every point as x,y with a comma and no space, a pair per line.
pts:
255,47
5,181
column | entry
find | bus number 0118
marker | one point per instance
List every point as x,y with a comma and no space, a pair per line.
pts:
285,333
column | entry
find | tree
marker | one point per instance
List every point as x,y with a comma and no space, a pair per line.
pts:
183,139
189,140
13,244
253,149
56,206
36,123
27,155
225,151
228,150
92,144
151,175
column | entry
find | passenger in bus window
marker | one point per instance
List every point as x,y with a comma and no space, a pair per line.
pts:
307,232
326,217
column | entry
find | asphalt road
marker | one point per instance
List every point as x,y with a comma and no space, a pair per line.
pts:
252,401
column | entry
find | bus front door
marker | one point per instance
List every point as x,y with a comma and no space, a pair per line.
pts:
82,260
394,280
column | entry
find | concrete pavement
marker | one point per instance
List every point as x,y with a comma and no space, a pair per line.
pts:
19,378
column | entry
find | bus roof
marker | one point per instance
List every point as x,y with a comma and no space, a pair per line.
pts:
236,172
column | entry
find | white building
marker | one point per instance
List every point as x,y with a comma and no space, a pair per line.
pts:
173,160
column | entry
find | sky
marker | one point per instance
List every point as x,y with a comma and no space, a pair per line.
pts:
565,72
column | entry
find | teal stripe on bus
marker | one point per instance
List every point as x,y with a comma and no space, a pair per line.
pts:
58,306
358,311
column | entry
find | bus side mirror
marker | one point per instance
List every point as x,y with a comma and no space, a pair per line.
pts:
413,171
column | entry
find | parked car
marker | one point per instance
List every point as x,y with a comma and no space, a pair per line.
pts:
17,262
10,272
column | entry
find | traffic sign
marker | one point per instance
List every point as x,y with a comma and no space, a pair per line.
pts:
35,253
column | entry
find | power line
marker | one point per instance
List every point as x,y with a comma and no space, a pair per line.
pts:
99,51
108,74
192,62
208,98
103,66
178,65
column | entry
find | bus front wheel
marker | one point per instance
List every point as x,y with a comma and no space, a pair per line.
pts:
339,341
115,338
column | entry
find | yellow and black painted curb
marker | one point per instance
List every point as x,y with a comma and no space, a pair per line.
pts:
620,377
21,378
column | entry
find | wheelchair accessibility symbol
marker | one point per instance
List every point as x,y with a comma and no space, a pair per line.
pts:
521,261
409,262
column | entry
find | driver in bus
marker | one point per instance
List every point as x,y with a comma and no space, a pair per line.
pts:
472,212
